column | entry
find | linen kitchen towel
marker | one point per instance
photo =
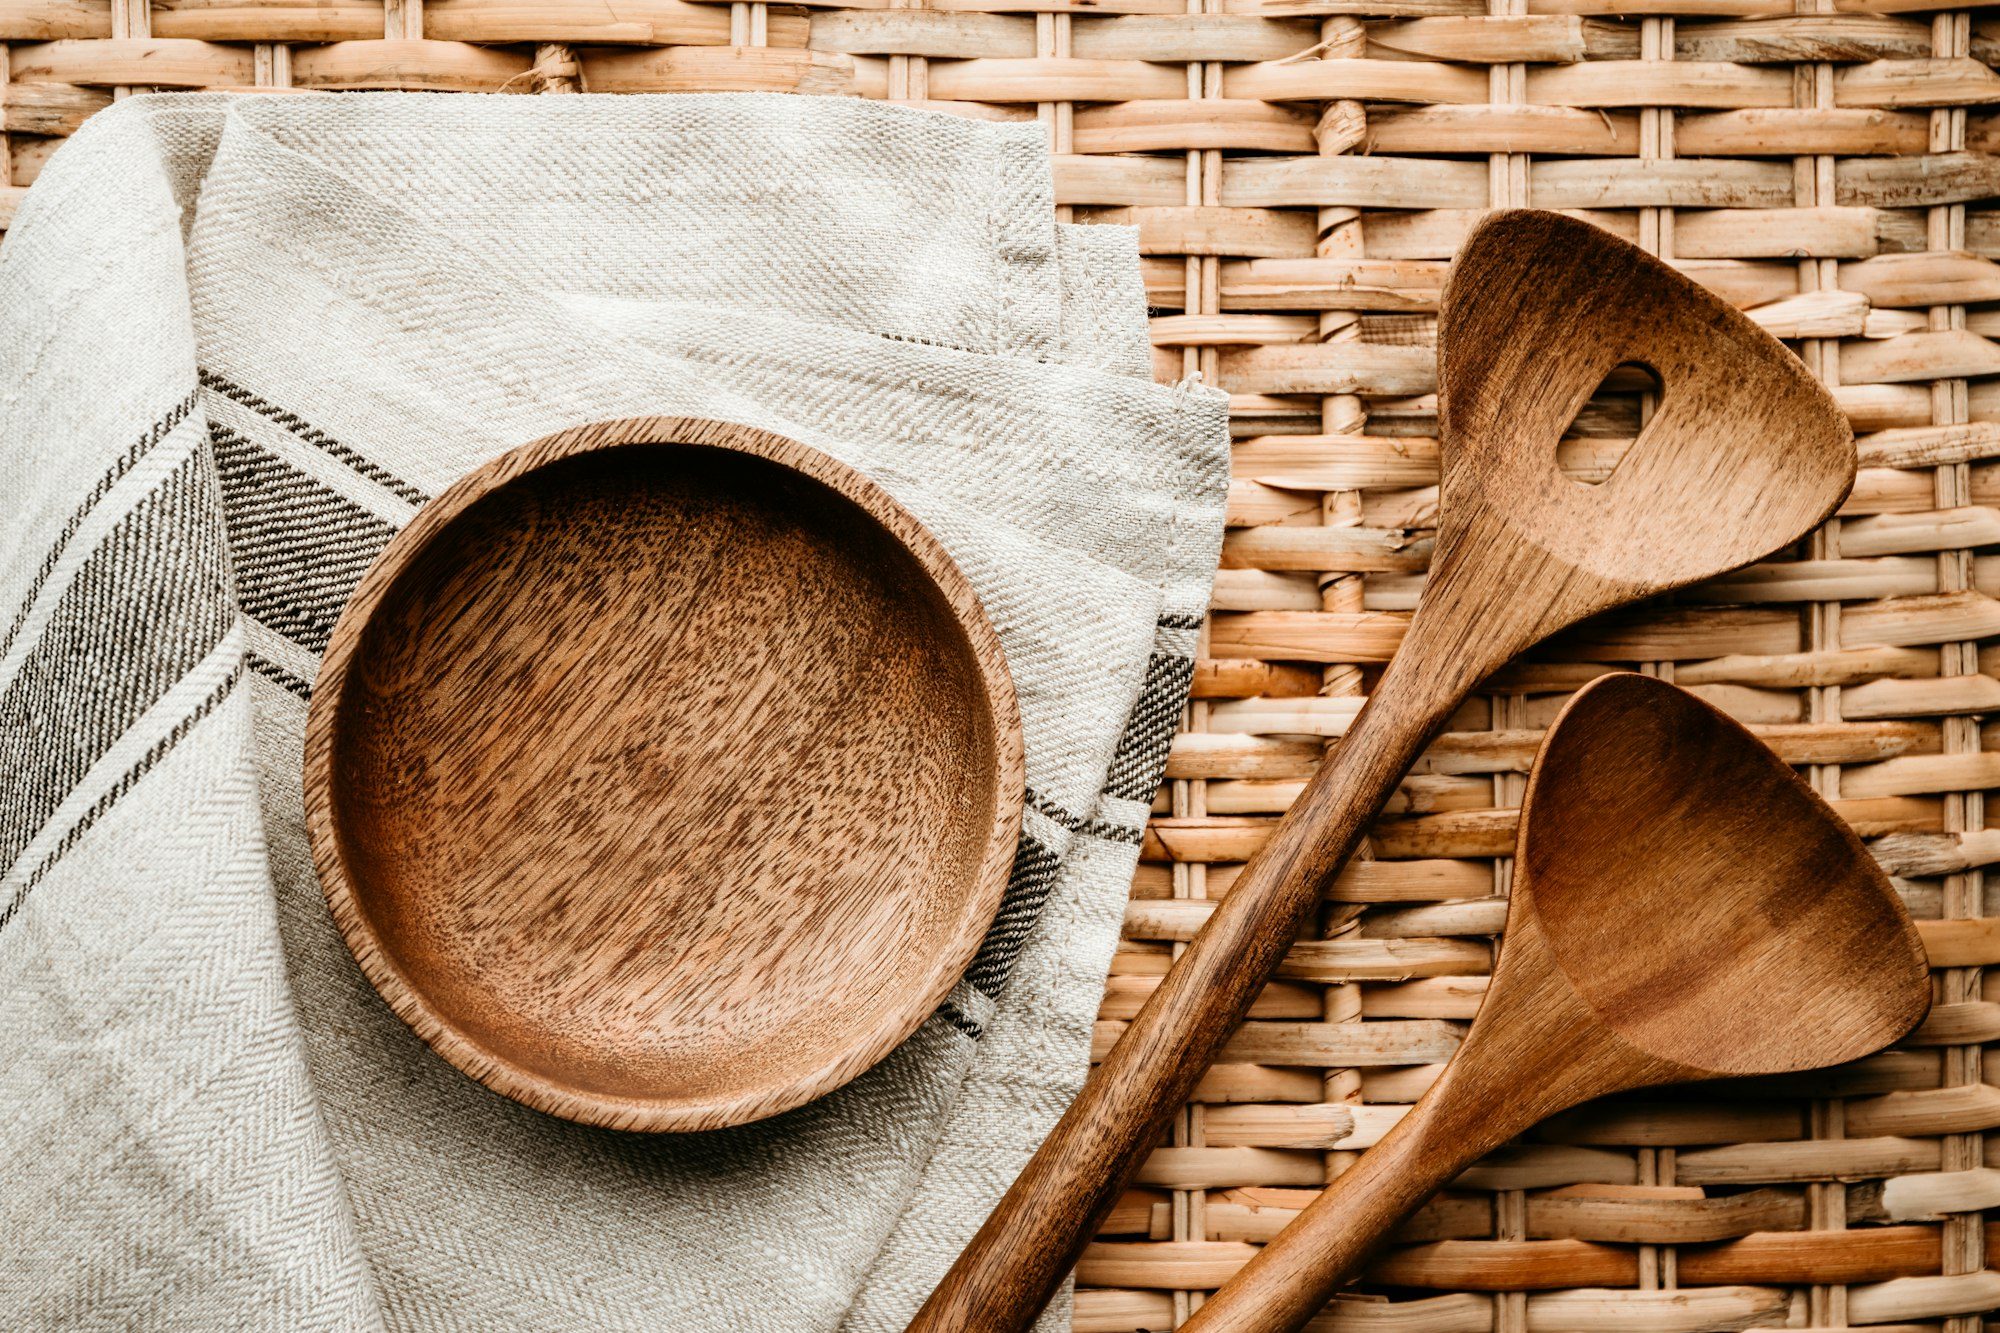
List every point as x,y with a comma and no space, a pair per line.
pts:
241,341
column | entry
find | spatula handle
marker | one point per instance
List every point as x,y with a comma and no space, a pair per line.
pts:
1020,1256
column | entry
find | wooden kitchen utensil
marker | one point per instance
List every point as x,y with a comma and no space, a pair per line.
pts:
592,797
1745,453
1683,907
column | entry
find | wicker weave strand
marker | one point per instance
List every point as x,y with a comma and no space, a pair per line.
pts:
1300,171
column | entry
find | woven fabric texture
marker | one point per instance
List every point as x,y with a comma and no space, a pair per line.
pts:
1300,171
239,353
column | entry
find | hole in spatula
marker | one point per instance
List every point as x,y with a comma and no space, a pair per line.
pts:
1609,423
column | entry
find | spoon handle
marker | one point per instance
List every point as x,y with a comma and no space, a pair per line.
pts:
1010,1269
1480,1101
1291,1279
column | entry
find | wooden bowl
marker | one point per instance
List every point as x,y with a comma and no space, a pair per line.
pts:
663,774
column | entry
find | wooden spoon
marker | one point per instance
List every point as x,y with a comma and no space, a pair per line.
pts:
663,774
1683,907
1745,454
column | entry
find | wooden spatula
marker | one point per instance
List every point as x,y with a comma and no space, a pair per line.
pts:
1745,454
1683,907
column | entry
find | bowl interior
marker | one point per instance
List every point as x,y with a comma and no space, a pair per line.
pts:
667,775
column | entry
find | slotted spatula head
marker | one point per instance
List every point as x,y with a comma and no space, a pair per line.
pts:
1745,453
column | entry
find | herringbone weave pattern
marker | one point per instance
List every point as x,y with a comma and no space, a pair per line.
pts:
238,353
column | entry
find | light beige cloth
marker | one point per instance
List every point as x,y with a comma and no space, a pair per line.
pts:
241,341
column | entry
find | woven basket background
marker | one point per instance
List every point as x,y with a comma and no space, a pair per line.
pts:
1300,170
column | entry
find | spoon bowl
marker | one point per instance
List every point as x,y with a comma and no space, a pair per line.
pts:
1683,907
1784,947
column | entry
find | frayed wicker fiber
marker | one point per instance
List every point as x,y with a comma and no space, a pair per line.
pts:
1300,171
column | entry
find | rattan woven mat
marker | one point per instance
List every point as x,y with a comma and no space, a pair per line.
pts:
1300,171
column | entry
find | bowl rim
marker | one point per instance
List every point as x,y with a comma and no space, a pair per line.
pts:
664,1113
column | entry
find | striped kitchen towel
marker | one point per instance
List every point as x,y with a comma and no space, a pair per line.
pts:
241,342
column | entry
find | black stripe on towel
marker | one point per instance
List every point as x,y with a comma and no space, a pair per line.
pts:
1095,828
143,610
1141,758
297,548
126,461
276,674
1028,889
313,435
955,1016
147,762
